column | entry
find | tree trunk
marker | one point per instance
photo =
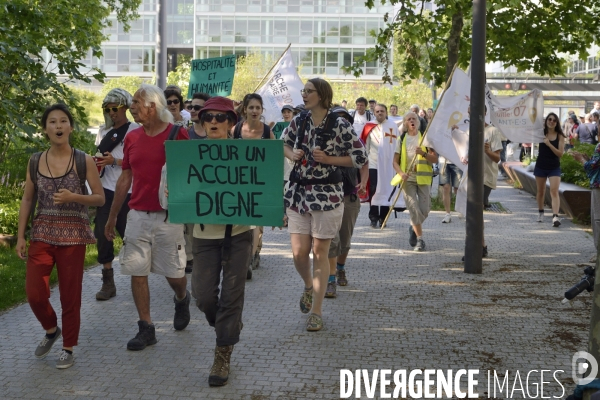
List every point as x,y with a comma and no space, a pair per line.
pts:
454,41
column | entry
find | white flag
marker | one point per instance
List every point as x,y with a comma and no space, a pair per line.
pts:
519,118
282,88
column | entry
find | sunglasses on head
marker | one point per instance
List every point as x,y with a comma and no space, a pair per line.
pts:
113,109
208,117
195,108
169,102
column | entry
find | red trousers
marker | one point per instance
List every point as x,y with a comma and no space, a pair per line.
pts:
69,264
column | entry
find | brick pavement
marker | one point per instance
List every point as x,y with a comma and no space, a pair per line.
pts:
399,311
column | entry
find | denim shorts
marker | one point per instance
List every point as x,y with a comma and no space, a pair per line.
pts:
451,174
546,173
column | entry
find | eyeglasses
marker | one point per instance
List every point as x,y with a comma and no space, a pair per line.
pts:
113,109
208,117
169,102
306,92
195,108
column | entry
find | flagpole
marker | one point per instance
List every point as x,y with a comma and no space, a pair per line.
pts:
274,65
420,143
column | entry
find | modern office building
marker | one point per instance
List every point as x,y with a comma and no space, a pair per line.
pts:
325,34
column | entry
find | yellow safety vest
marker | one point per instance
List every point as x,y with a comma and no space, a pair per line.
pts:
424,169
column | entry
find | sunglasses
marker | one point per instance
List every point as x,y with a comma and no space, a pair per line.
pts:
113,109
195,108
169,102
551,120
306,92
208,117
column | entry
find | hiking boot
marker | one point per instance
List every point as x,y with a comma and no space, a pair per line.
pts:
412,239
341,277
380,223
447,219
256,261
219,372
182,312
108,288
330,292
374,223
145,337
189,266
46,344
65,360
306,301
556,222
420,246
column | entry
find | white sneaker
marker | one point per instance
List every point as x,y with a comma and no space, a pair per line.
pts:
541,217
556,222
447,219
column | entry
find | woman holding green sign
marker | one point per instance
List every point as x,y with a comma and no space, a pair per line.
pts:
318,141
220,248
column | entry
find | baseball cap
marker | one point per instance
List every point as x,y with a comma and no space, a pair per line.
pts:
342,110
287,107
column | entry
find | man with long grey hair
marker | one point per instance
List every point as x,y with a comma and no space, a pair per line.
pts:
152,244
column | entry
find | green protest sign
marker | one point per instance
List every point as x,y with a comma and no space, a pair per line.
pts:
213,76
236,182
278,128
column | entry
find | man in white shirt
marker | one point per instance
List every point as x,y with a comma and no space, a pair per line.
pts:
394,117
110,141
380,141
361,115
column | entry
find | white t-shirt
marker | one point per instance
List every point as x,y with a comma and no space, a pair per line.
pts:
396,119
112,173
491,135
186,117
411,146
359,123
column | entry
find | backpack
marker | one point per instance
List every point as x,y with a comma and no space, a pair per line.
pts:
80,165
237,131
162,199
113,138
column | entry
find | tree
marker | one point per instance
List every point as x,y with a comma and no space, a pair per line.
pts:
530,35
40,40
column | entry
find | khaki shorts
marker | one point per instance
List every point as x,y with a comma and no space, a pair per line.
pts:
152,245
318,224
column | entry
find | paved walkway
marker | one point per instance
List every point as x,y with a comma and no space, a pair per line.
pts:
399,311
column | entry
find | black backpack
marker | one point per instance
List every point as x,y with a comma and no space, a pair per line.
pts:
113,138
34,161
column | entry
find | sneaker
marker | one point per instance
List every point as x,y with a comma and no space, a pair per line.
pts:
374,224
341,277
256,261
189,266
330,293
46,344
182,312
314,323
412,239
540,217
447,219
420,246
556,222
380,223
485,252
65,360
219,372
145,337
306,301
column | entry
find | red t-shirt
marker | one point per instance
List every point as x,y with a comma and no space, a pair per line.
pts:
145,156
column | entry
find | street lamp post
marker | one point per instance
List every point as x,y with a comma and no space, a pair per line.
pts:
473,243
161,45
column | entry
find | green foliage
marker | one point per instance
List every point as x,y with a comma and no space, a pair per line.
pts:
130,83
532,36
181,77
571,170
9,217
402,96
92,104
40,40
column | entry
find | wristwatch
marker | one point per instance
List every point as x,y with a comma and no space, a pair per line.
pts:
114,162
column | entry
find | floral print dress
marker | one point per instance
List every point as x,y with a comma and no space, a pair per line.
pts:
342,141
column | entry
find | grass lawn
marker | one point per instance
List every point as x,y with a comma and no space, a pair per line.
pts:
12,274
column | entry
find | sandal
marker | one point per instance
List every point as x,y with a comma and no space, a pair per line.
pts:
306,301
314,323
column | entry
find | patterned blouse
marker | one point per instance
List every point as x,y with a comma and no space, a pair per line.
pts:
60,224
341,142
592,168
